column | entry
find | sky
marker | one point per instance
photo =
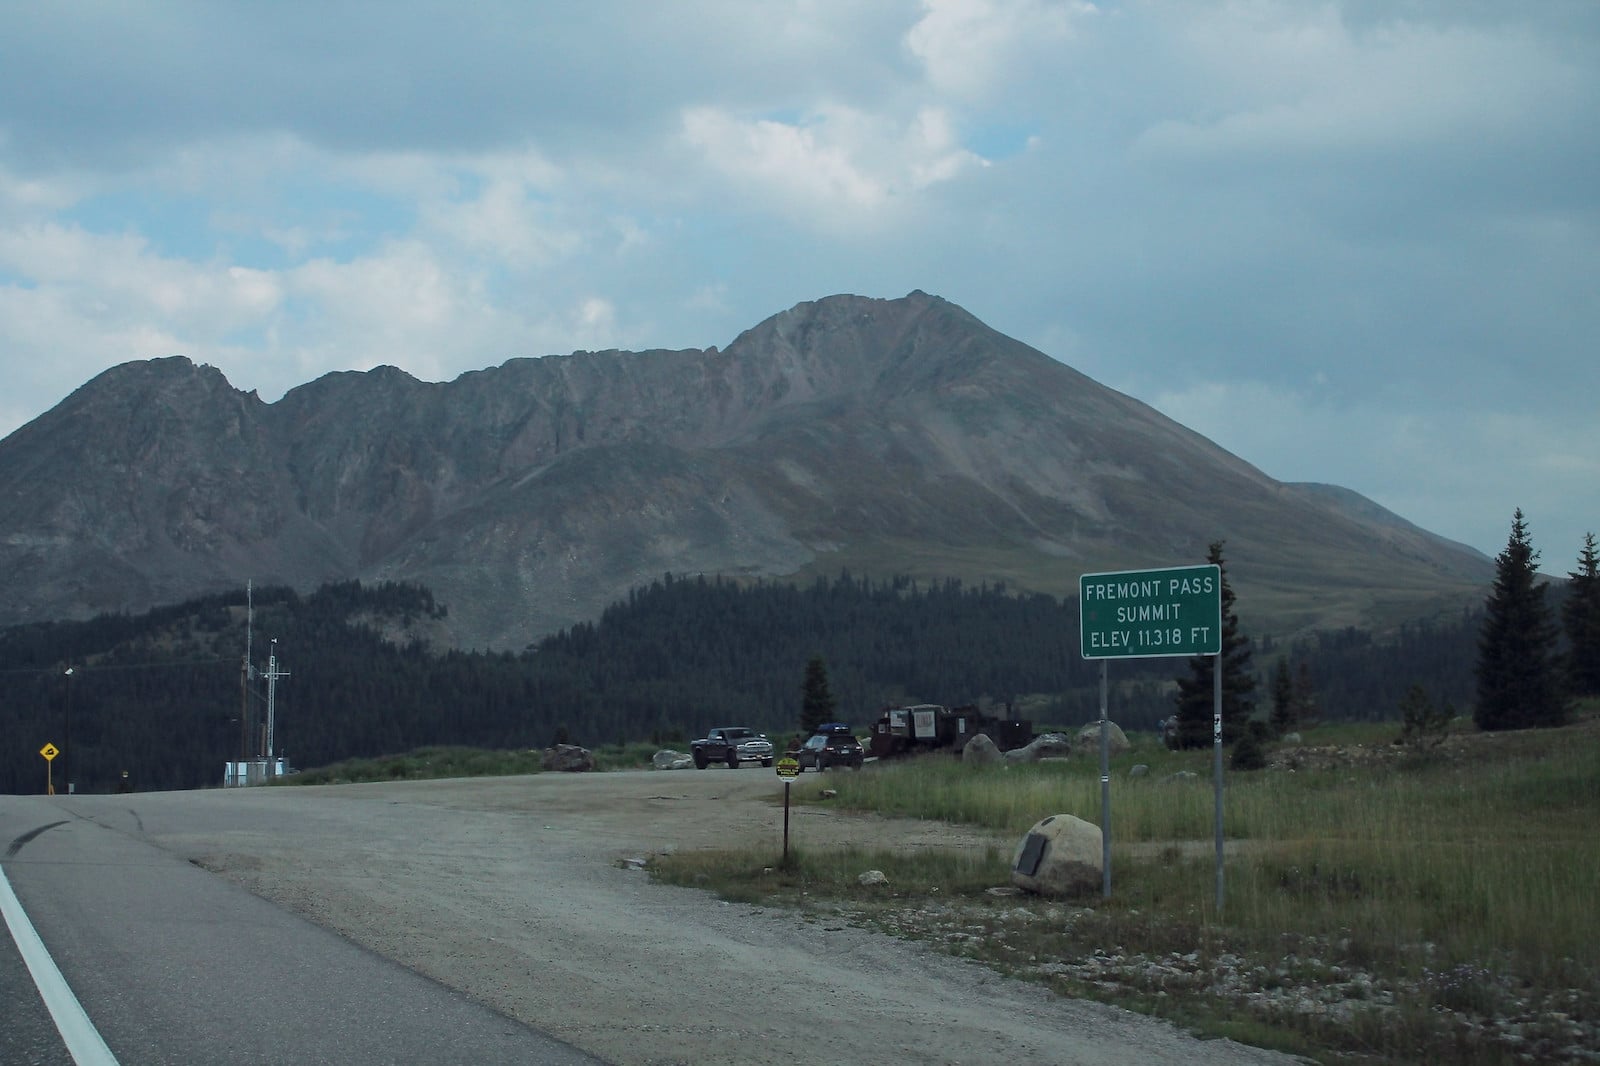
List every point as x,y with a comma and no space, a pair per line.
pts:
1354,243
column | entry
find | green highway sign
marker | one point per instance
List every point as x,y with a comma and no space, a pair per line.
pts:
1141,614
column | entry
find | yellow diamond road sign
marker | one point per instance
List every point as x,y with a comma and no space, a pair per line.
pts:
49,752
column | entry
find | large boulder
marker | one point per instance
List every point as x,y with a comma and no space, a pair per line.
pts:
981,751
1043,746
1089,738
666,759
1060,856
568,757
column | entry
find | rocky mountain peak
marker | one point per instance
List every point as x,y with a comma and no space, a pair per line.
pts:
883,436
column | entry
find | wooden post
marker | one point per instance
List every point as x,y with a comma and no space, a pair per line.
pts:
786,819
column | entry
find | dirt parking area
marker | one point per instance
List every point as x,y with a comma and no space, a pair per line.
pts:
518,892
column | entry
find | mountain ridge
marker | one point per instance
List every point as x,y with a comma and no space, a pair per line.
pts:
846,432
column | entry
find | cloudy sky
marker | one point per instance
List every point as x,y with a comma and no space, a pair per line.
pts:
1351,242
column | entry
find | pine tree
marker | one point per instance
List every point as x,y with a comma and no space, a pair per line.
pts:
1282,698
1195,696
817,702
1306,713
1424,725
1580,615
1519,683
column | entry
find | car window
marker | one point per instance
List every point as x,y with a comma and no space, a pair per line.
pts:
816,742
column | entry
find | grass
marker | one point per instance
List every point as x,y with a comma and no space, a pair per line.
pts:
624,756
1379,905
427,763
420,765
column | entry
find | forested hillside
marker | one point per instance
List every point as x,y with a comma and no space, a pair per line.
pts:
162,696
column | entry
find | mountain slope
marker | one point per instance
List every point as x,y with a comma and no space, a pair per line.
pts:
887,436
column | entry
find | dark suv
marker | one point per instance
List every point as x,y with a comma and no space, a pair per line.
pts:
831,745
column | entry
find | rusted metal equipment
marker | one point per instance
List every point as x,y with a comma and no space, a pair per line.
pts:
933,727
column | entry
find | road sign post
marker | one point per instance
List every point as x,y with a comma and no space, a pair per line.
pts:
49,752
1216,769
1146,614
788,768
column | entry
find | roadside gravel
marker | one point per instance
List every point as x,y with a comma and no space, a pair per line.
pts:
518,892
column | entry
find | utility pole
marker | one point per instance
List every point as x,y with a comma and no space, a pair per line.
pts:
272,675
247,672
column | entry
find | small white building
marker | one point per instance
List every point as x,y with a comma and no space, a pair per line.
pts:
248,772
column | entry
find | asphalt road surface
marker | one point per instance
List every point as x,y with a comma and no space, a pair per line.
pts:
462,921
176,965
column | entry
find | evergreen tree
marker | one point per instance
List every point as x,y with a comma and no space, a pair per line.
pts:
1519,683
1423,724
1581,617
1282,698
1195,695
1250,752
1306,713
817,702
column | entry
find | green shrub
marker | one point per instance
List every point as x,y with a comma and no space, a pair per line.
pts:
1248,752
1424,725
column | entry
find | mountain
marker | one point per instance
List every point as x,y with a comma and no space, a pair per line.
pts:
880,436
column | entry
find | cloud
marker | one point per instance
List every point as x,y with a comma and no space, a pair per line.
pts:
505,223
842,166
462,79
117,278
968,48
1418,463
33,197
1307,82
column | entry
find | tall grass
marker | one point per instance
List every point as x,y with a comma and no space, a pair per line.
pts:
426,763
1486,856
422,764
635,756
1462,882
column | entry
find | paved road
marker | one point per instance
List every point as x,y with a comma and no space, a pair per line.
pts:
175,965
27,1034
222,925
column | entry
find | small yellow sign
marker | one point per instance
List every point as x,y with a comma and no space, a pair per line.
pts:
49,752
788,766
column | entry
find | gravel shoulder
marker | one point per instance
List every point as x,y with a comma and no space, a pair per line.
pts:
517,892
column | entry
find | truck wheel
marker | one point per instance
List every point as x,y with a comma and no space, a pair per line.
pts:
733,760
699,760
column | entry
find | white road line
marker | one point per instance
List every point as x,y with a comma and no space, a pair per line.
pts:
83,1040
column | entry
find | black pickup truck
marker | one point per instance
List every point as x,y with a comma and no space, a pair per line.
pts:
732,745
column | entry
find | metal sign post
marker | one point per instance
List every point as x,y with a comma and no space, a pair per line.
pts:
1105,789
49,752
788,768
1216,770
1150,614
